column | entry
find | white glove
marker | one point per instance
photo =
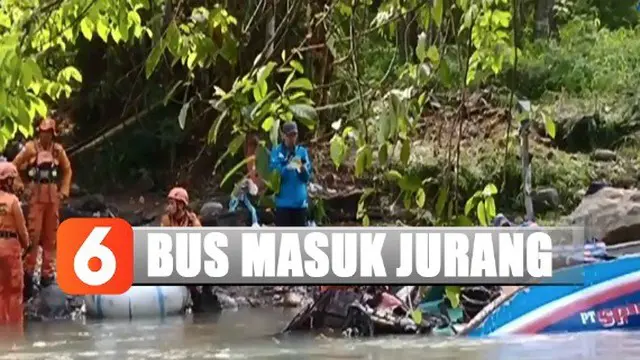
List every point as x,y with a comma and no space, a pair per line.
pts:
295,164
255,225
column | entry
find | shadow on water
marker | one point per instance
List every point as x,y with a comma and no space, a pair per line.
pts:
249,334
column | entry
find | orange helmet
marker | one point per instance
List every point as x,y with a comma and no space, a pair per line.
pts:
179,194
8,170
48,124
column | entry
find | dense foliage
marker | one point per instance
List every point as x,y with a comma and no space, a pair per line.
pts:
191,78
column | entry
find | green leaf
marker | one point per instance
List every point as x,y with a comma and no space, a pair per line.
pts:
453,294
470,204
405,152
273,134
236,143
410,183
260,90
267,124
383,153
482,216
297,66
490,208
153,59
462,221
366,221
39,106
549,125
71,72
262,161
5,21
86,27
275,180
393,175
264,71
337,150
436,12
444,73
102,28
191,60
123,26
384,127
215,127
300,83
306,113
463,4
443,195
434,55
361,161
182,117
172,39
406,200
416,316
234,170
489,190
28,68
421,49
421,197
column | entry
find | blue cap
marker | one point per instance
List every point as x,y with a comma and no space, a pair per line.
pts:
289,127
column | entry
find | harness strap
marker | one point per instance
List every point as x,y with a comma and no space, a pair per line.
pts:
8,235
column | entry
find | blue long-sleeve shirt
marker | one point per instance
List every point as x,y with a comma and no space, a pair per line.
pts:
293,184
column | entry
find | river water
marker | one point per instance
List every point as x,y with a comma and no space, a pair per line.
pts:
246,335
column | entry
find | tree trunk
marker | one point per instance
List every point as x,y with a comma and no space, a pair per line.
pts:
271,28
545,22
322,57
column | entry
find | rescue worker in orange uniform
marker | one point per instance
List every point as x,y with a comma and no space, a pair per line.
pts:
13,239
178,213
48,173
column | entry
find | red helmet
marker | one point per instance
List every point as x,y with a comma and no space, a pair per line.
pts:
179,194
48,124
8,170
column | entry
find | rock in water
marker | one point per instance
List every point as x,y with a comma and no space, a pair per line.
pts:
51,303
611,215
292,299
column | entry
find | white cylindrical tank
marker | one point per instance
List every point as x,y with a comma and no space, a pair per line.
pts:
139,302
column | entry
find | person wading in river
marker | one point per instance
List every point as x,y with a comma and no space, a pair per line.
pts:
177,210
48,171
178,214
13,239
292,162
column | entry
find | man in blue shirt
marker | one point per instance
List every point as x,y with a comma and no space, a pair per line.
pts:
292,162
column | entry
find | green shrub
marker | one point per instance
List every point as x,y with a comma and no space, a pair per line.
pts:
586,60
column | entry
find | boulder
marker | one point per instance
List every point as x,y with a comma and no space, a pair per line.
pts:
545,199
604,155
77,191
211,209
610,214
50,303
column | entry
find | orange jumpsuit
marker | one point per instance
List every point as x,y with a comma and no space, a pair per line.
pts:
44,166
13,238
190,220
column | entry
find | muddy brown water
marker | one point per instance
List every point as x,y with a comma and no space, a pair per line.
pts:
246,335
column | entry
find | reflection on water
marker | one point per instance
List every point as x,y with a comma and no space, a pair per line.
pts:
246,335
